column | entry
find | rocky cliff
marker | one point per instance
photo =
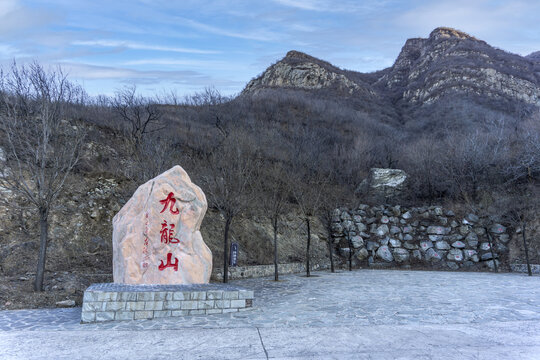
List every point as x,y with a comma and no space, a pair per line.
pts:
449,64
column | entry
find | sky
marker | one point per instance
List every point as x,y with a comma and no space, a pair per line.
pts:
183,46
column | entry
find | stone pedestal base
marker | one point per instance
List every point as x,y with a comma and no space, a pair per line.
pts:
108,301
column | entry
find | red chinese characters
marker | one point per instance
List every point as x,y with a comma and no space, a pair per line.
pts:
174,265
167,231
169,200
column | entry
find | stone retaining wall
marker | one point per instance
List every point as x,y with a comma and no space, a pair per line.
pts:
106,302
522,268
253,271
383,236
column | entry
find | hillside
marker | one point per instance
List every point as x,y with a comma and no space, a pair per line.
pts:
460,117
449,69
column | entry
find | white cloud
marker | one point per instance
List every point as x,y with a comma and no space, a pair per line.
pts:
141,46
260,35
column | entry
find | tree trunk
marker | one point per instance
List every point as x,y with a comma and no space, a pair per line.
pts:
350,250
492,252
330,252
276,273
526,249
44,228
308,273
228,221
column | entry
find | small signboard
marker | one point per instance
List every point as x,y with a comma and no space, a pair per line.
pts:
233,260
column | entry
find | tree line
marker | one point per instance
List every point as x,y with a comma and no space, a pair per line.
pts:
258,154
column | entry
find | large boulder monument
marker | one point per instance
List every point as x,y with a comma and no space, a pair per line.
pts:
156,235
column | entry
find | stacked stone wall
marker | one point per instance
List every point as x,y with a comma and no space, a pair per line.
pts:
432,237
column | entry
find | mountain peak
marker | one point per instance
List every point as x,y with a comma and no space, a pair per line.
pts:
295,54
447,33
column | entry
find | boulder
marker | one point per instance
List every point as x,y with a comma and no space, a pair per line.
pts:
65,303
384,253
437,230
384,182
156,237
455,255
425,245
458,244
472,239
410,246
442,245
497,229
357,241
395,243
432,255
382,230
401,255
362,254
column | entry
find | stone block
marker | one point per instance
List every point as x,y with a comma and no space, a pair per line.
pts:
214,295
153,305
88,316
92,306
124,315
145,296
178,295
197,312
198,295
223,304
189,305
238,303
214,311
132,305
160,296
144,315
104,315
245,294
179,313
172,305
232,310
107,296
230,295
205,304
127,296
115,305
90,296
162,313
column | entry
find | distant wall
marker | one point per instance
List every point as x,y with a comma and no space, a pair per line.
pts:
432,237
245,272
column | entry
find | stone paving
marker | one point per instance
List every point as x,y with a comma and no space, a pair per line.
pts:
362,299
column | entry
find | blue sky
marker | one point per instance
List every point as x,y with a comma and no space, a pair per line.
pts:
186,45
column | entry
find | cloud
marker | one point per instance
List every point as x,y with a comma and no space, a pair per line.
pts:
260,35
331,6
141,46
95,72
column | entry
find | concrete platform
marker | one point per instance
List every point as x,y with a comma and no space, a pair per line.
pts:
109,301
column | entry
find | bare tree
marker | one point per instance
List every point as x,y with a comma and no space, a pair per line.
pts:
229,181
42,148
141,115
307,179
274,189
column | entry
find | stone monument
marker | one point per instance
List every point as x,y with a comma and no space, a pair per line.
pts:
161,265
156,237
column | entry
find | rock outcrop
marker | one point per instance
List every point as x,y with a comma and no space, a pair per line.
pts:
156,237
383,182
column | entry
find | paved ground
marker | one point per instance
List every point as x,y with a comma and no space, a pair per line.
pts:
364,314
